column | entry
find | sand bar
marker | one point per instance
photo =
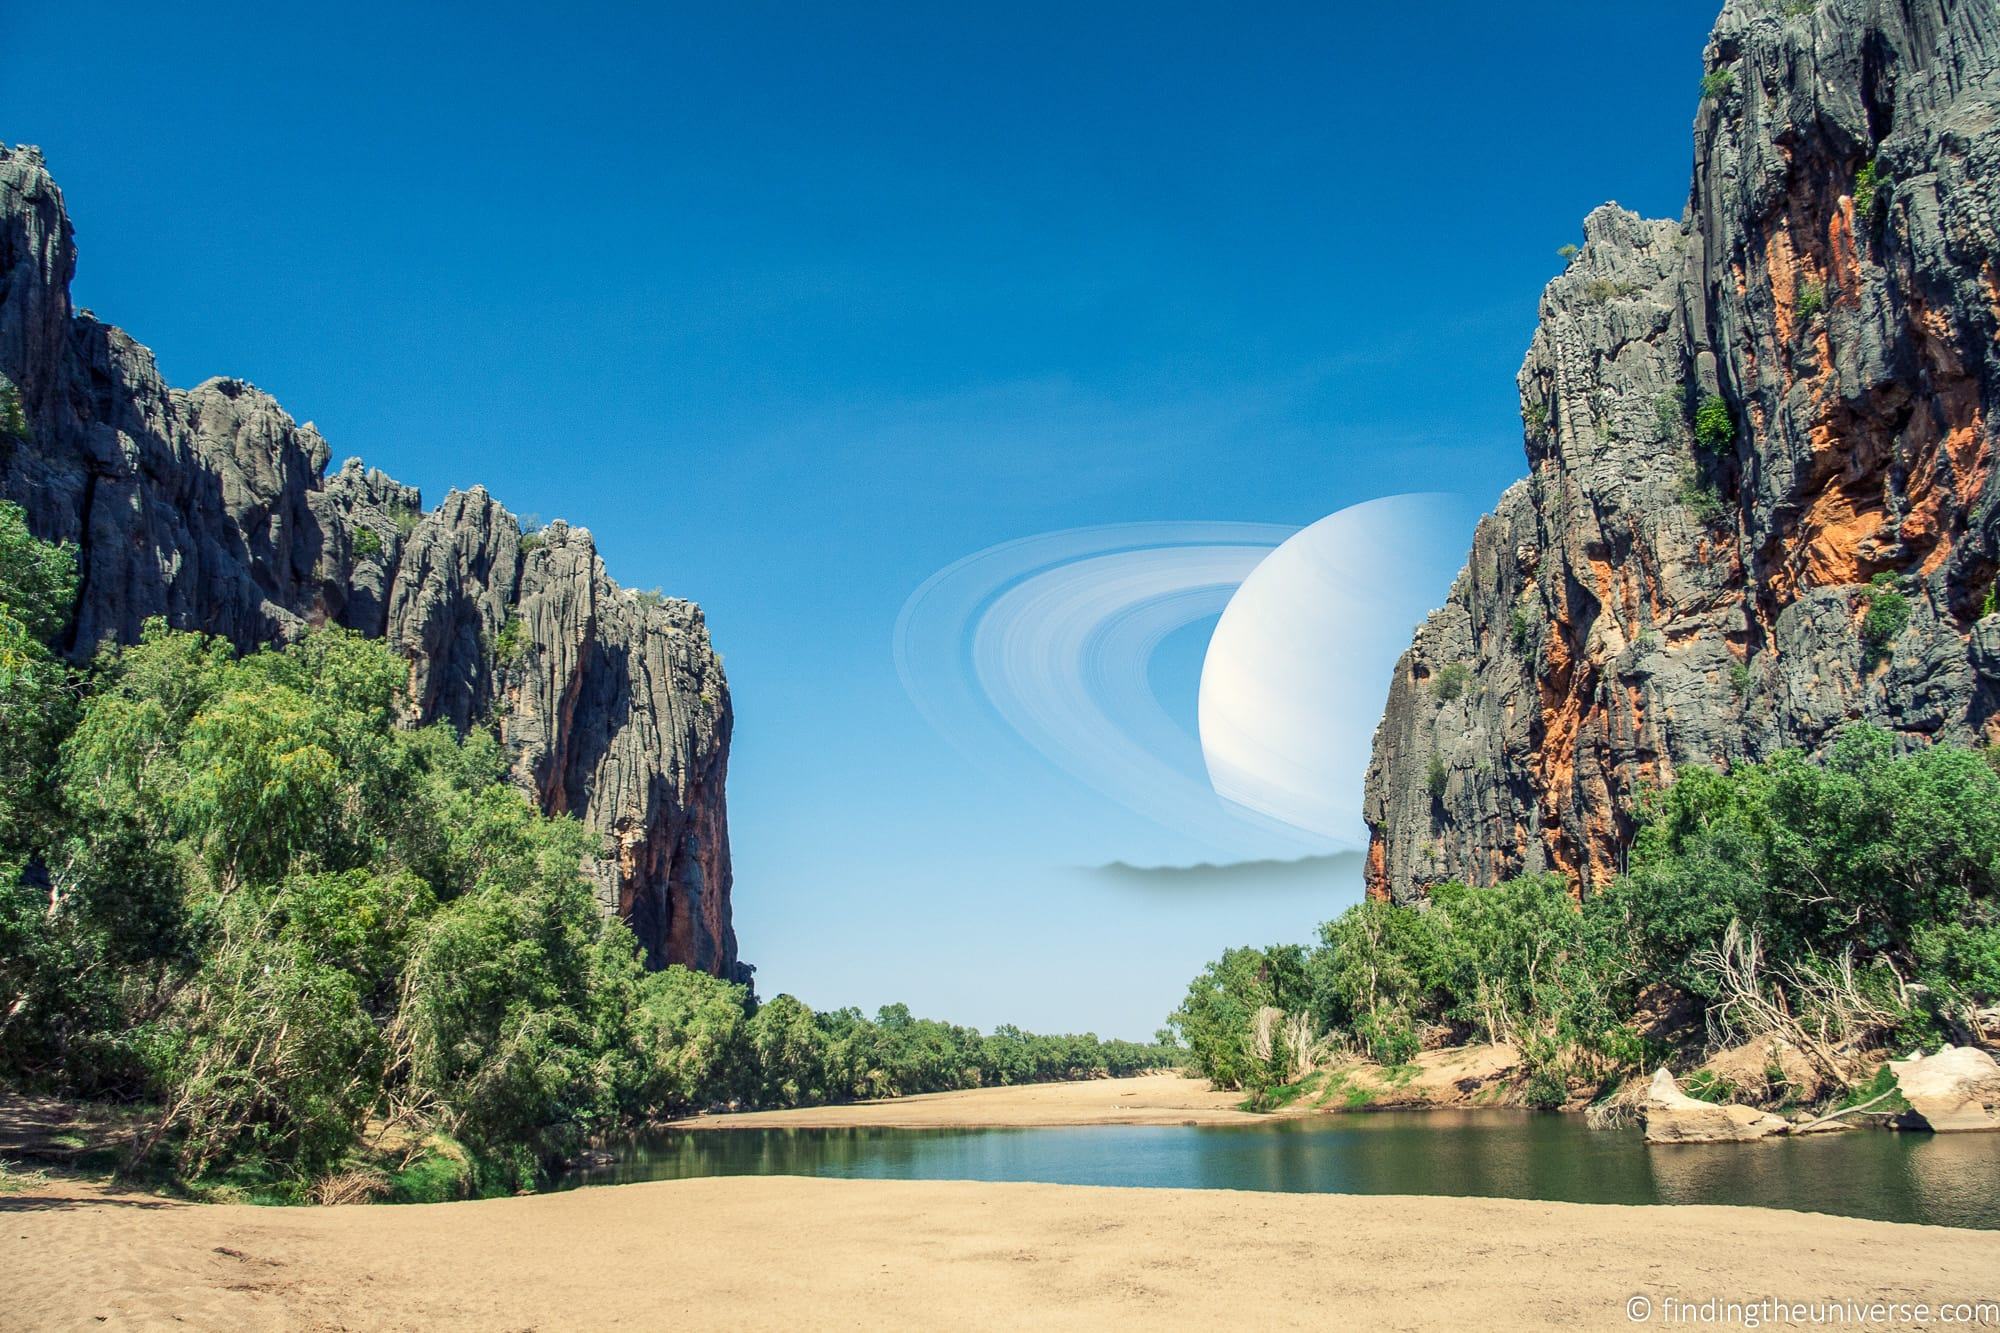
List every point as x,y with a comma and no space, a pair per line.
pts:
785,1252
1145,1099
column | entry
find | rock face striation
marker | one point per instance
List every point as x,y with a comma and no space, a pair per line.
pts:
1747,431
211,507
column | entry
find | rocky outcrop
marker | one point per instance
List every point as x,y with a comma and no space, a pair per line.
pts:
1955,1090
1735,425
211,507
1674,1117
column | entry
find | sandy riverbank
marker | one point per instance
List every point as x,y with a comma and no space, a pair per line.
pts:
1146,1099
783,1252
1458,1076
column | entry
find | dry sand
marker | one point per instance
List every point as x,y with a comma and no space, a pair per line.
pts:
1456,1076
1148,1099
782,1252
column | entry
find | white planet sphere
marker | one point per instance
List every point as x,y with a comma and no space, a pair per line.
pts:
1298,668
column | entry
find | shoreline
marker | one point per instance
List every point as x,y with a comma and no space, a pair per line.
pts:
780,1251
1137,1099
1451,1078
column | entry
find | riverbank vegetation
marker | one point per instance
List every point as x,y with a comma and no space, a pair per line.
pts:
325,952
1838,908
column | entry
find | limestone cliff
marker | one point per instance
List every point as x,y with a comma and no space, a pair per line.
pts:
211,507
1735,424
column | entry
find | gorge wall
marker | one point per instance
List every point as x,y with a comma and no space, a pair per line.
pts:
1670,586
211,507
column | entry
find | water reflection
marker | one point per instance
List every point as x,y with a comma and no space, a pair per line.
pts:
1948,1179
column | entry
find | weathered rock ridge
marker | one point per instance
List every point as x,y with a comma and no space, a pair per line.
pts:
1656,595
211,507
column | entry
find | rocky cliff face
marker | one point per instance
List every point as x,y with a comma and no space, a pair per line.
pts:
1746,431
211,507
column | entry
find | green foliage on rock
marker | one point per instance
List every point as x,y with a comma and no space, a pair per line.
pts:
1451,680
1521,630
511,644
1703,500
1718,83
1809,301
1886,617
1714,424
1671,413
1871,184
13,421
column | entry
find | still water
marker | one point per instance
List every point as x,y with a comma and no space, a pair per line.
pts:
1949,1179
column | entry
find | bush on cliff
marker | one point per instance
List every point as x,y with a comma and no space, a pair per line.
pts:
1887,616
1714,424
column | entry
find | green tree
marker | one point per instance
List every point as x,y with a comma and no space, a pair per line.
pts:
789,1053
1216,1018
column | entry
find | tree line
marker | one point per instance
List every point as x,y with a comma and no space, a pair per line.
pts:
306,939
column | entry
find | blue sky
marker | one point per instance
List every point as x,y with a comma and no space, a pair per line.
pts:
794,307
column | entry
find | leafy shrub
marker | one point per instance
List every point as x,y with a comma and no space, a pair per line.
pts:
367,543
1871,184
441,1172
1718,83
1739,678
1547,1086
1958,966
1537,417
1568,253
1703,500
1389,1039
1451,680
1521,631
1600,290
1810,301
512,643
1671,413
1714,424
1888,615
13,421
1437,776
1216,1019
